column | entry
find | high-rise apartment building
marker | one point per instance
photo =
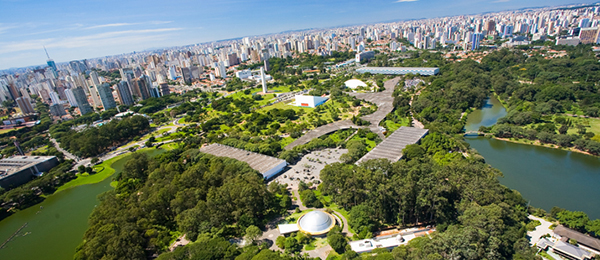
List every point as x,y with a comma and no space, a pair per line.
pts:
475,40
124,93
25,105
106,96
94,94
82,101
57,110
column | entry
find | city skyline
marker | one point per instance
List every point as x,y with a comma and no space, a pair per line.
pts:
115,28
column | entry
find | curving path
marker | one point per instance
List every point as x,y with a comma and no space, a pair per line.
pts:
385,104
321,130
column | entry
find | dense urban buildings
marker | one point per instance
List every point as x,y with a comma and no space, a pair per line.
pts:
157,73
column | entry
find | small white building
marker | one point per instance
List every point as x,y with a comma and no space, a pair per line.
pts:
243,74
355,83
310,101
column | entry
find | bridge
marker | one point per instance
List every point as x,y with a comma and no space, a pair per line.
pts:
473,133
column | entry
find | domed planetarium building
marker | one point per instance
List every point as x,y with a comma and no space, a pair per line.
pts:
315,223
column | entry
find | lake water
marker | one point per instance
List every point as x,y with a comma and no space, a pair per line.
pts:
55,231
544,176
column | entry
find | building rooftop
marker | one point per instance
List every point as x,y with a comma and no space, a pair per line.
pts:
581,238
391,148
389,239
261,163
354,83
316,222
399,70
571,250
15,164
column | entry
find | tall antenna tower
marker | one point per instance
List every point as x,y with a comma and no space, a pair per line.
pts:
47,53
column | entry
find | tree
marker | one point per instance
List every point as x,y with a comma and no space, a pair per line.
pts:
573,219
81,169
413,151
336,240
280,242
94,160
252,233
593,227
361,217
292,245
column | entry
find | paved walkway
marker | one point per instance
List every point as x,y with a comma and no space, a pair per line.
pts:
539,231
415,122
385,105
65,152
321,130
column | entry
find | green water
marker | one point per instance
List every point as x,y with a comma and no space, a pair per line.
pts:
544,176
54,231
487,116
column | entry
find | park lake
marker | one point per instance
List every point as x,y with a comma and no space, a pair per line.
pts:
56,226
545,177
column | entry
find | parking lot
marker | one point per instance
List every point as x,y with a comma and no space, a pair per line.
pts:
308,169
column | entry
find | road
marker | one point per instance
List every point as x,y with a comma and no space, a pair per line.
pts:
65,152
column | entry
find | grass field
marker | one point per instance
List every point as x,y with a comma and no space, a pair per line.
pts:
326,200
42,149
391,126
4,131
370,144
104,170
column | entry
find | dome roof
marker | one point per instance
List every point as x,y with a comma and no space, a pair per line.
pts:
354,83
316,222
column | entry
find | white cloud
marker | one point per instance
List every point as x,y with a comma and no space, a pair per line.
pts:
404,1
89,41
126,24
109,25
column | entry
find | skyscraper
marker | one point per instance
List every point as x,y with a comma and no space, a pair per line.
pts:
508,31
105,92
124,93
475,40
95,99
25,105
82,102
51,64
71,97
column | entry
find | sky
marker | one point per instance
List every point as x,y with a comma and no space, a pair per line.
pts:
76,29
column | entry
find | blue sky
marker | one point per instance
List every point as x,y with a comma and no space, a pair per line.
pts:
81,29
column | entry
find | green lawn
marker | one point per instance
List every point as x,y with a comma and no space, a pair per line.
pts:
286,141
317,242
370,144
42,149
326,200
104,170
3,131
294,217
391,126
